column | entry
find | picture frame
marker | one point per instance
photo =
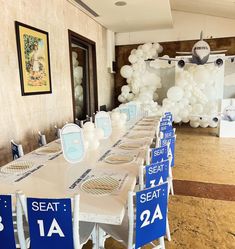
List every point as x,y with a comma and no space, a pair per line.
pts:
34,59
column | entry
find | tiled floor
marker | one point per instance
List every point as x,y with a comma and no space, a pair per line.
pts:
202,213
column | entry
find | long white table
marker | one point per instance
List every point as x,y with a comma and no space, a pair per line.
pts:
56,176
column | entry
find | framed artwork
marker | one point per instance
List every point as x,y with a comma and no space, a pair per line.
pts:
34,59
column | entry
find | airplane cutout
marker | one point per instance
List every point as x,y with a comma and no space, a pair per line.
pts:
200,55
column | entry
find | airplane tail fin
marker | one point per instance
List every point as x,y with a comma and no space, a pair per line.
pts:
201,35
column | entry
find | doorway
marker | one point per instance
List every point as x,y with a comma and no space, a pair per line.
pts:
83,75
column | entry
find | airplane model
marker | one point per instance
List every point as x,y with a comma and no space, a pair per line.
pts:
200,55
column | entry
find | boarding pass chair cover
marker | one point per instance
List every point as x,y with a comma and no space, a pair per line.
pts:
136,230
52,223
72,143
7,236
17,150
103,121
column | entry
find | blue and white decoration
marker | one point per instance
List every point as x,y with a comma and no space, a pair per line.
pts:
156,173
50,223
72,143
103,121
159,154
7,239
171,143
151,213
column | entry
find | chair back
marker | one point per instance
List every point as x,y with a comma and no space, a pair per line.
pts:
156,173
7,238
151,215
103,121
72,143
41,139
17,150
170,142
169,116
159,154
51,223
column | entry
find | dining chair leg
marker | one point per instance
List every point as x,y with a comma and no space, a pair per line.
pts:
162,242
95,244
168,233
101,236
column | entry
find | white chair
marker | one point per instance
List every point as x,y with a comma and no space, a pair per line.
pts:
57,132
126,232
42,139
103,121
80,231
17,150
8,224
72,143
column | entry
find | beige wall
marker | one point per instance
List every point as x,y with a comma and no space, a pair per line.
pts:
21,117
186,26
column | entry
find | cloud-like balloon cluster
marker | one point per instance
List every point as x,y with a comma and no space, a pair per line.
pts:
77,76
193,98
142,84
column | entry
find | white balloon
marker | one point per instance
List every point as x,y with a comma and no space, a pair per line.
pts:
160,49
194,124
133,51
125,89
139,53
177,119
94,144
115,116
175,93
99,133
130,96
78,90
121,99
126,71
88,126
146,47
132,58
74,55
204,124
185,120
197,108
156,45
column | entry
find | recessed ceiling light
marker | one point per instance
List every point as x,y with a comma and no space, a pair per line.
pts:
120,3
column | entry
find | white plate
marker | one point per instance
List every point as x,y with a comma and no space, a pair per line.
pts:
119,158
130,146
17,167
46,150
146,124
101,185
138,136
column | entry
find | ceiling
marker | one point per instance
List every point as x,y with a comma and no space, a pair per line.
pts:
136,15
220,8
151,14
